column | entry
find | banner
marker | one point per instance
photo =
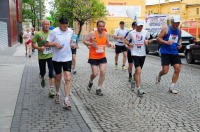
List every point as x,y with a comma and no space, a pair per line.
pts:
154,23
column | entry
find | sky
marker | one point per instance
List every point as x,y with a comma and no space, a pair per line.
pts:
48,7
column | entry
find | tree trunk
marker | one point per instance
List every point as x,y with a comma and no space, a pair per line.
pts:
80,27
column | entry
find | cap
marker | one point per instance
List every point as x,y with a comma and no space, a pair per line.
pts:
139,23
121,22
63,20
176,19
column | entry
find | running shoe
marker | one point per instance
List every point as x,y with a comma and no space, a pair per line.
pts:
124,68
172,90
139,92
43,83
51,93
158,79
129,78
89,85
99,92
74,71
132,84
57,99
67,104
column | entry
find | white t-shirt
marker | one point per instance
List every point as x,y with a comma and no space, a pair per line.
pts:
138,38
27,36
120,32
64,38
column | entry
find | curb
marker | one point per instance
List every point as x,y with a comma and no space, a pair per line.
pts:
83,113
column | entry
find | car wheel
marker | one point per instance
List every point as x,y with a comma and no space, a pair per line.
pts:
189,57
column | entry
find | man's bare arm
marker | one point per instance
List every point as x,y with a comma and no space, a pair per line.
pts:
161,35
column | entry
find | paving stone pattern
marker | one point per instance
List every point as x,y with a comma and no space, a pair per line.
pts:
119,109
35,111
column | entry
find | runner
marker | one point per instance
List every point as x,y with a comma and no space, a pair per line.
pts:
32,35
27,40
119,34
97,41
75,42
44,55
138,52
61,40
129,57
170,39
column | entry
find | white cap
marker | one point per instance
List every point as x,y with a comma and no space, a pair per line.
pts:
176,19
139,22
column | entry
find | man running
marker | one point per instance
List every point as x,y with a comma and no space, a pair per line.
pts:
170,39
74,49
138,52
129,57
44,55
97,41
119,34
61,40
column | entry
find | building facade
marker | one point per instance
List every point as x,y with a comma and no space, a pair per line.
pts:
116,12
11,15
187,9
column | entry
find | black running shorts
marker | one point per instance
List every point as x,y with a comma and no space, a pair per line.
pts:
97,62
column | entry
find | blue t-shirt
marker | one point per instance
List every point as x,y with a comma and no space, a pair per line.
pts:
75,39
173,35
51,27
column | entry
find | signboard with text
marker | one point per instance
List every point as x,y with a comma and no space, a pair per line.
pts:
154,23
120,11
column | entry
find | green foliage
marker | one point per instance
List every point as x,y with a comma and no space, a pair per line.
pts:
78,10
30,11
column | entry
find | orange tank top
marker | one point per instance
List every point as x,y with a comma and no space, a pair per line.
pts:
98,52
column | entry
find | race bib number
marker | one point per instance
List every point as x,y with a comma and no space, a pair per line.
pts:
173,38
47,50
138,48
99,49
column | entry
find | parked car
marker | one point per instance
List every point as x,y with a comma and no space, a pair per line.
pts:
186,40
191,27
192,52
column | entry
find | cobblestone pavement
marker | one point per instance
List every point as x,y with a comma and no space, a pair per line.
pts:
35,111
119,109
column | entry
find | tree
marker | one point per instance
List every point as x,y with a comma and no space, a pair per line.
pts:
30,11
79,10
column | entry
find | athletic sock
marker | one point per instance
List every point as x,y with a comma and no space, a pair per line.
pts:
66,98
172,85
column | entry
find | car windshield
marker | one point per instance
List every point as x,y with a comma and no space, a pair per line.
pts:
185,34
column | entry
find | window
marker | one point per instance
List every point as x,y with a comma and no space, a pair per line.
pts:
197,11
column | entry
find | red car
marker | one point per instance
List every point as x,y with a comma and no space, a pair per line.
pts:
190,27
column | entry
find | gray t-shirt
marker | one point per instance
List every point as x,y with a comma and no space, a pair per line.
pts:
120,32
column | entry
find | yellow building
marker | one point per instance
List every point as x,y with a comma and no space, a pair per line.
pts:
117,11
187,9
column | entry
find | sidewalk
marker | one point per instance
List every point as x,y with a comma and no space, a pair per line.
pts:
30,108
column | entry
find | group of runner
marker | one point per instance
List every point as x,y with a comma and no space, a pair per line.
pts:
58,49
